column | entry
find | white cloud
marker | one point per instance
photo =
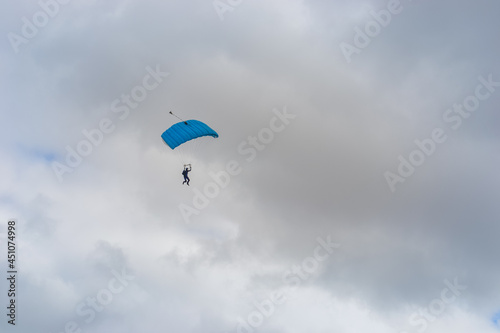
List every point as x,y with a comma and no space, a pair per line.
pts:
322,175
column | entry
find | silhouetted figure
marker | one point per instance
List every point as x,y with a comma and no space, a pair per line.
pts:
185,173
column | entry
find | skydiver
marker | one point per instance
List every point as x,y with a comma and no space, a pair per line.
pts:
185,173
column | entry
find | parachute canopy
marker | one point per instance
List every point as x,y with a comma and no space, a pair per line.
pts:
187,130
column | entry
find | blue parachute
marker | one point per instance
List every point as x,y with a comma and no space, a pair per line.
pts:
185,131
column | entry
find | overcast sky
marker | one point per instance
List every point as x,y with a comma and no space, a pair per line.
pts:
354,185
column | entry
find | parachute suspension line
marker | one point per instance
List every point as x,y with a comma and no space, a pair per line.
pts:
183,156
173,114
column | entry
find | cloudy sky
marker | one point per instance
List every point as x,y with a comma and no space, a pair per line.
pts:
354,186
